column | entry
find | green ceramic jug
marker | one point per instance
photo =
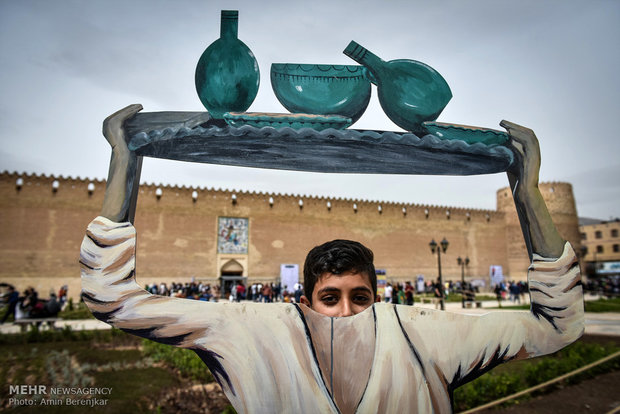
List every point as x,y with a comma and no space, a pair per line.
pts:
410,92
227,75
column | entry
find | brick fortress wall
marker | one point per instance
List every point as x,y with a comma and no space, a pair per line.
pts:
177,236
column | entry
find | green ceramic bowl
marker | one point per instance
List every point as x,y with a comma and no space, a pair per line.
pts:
322,89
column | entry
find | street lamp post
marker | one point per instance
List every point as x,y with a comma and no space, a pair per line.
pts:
462,263
581,255
596,266
443,246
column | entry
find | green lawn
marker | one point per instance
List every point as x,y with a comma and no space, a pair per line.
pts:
603,305
75,311
599,305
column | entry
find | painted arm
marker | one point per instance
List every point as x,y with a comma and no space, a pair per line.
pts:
108,261
539,232
554,276
107,257
556,316
123,175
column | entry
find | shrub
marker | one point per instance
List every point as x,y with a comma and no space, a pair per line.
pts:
486,388
519,376
186,361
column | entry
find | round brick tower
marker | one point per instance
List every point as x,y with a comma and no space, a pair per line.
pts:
561,204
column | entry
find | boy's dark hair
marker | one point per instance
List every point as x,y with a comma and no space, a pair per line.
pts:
337,257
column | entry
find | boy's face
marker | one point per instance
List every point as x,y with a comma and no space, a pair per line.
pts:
346,294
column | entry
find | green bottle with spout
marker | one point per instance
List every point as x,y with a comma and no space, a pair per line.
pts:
227,75
410,92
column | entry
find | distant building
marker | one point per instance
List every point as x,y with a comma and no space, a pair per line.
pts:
600,241
220,236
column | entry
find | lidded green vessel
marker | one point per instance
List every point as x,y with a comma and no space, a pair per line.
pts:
227,75
410,92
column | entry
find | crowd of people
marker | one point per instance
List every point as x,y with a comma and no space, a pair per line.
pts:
608,286
30,305
513,291
236,292
397,293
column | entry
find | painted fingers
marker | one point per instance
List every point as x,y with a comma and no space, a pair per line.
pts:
522,139
524,144
113,125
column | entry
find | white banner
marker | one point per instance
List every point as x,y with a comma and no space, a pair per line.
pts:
289,276
420,286
496,274
607,268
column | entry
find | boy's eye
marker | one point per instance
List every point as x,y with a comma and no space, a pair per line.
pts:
361,299
329,300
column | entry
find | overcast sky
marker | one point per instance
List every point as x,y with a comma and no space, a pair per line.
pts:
550,65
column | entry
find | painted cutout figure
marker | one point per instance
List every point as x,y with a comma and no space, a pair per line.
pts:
338,351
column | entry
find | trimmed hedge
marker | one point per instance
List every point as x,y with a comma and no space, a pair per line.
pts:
186,361
518,376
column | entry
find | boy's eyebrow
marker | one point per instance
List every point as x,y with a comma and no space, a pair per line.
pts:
331,289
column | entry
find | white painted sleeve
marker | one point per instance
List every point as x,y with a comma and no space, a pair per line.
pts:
259,353
109,289
462,347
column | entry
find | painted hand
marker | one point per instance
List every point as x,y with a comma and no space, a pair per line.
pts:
118,204
113,129
523,174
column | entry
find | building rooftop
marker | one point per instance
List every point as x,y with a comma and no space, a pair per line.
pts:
584,221
587,221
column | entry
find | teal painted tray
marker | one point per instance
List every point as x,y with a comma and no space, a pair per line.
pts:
193,137
295,121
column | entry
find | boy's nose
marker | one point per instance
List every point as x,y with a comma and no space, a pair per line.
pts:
347,308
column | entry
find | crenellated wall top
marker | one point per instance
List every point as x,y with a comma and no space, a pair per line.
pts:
272,198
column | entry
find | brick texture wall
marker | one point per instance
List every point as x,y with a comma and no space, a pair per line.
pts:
177,236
